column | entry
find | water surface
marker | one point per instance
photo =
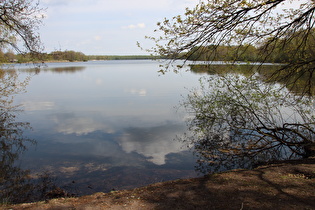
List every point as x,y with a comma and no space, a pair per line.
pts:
104,125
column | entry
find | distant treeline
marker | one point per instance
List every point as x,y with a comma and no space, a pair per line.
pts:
296,49
67,55
122,57
247,53
223,53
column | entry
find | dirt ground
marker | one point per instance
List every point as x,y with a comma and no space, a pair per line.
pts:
287,185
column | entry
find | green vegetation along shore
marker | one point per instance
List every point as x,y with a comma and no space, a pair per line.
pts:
66,56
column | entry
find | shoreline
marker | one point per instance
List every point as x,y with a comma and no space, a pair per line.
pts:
281,185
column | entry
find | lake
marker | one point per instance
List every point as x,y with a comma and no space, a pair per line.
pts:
100,126
104,125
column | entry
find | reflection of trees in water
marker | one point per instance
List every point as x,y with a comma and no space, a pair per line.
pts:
12,141
69,69
294,77
295,80
16,185
223,69
237,122
60,70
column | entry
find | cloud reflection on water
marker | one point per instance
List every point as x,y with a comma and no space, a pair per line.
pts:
153,142
69,123
139,92
114,118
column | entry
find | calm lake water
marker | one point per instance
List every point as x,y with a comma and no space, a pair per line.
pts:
104,125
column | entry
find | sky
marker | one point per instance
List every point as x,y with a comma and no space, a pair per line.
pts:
105,27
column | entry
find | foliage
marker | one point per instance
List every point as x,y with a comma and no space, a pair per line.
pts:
7,57
211,26
235,117
19,21
238,121
283,51
247,53
122,57
68,55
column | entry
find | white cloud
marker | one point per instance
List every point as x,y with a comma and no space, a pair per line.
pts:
132,26
97,38
87,6
95,27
